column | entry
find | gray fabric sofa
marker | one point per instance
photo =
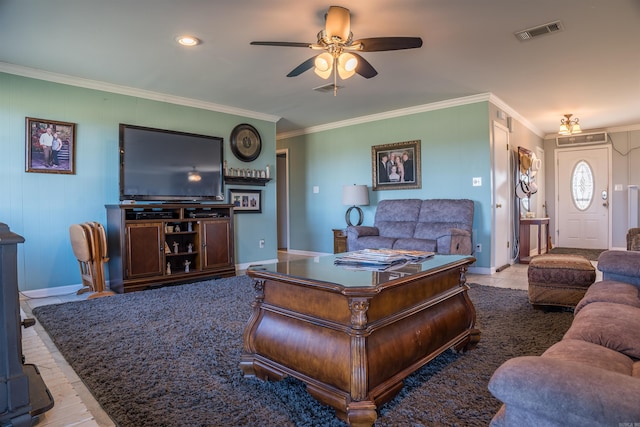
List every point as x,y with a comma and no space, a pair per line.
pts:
438,225
592,376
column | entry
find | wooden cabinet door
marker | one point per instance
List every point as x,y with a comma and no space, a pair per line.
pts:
144,250
217,244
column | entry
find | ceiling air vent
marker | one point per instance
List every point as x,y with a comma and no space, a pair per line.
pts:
328,88
538,31
582,139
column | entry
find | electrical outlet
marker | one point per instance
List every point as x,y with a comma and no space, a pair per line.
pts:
261,243
478,247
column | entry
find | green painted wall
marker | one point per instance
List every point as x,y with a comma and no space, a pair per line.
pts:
455,147
41,206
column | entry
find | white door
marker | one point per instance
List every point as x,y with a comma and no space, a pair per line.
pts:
282,196
501,197
582,186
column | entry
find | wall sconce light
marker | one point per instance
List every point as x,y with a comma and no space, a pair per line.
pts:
569,126
355,196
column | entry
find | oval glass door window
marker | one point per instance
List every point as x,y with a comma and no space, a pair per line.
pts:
582,185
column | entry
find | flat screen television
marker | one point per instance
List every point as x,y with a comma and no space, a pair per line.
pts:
164,165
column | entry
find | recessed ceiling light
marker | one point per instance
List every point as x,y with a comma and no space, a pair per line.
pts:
188,40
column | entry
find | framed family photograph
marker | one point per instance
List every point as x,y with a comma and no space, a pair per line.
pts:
50,146
396,166
246,201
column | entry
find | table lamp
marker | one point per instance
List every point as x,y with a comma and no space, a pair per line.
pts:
355,196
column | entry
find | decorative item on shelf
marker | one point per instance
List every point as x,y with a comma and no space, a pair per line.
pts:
186,265
189,226
167,250
175,247
268,171
168,268
168,228
355,196
246,143
176,228
190,247
569,126
225,167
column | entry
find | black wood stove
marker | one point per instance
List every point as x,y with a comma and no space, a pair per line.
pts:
23,393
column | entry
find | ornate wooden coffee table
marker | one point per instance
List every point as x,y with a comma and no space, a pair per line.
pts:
353,335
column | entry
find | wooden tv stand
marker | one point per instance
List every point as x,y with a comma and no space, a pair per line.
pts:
158,244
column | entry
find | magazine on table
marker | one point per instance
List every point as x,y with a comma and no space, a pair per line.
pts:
382,258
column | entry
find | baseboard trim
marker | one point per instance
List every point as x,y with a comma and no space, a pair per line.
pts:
52,292
246,265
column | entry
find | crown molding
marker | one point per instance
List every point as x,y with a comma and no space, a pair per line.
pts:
129,91
456,102
514,114
388,115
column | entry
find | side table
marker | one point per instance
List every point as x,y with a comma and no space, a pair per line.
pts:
339,241
525,236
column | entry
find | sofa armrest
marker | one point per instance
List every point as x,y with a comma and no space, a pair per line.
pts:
457,241
355,231
623,266
546,391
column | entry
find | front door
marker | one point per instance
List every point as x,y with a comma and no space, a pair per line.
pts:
582,186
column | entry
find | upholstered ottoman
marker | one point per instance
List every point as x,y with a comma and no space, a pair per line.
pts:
559,280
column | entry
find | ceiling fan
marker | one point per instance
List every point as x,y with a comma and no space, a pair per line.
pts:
339,56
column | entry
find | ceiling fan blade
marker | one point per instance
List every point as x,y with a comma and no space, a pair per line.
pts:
363,68
306,65
338,23
378,44
285,44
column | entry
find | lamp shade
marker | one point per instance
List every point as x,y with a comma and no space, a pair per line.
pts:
355,195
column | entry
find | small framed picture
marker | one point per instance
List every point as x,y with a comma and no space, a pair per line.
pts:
396,166
246,201
50,146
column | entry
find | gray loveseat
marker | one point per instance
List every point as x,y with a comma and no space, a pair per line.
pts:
438,225
592,376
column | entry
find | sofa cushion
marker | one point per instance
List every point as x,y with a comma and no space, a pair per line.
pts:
368,242
434,230
396,229
397,218
590,354
457,212
415,244
615,326
611,291
401,210
623,266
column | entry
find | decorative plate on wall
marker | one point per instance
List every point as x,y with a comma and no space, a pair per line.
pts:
245,142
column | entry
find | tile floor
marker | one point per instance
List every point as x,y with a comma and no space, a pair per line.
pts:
74,404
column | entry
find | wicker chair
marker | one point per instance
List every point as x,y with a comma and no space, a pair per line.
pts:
633,239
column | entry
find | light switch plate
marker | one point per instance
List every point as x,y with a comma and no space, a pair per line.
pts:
477,181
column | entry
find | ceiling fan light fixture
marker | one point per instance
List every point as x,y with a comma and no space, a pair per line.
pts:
347,64
323,65
194,175
338,23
